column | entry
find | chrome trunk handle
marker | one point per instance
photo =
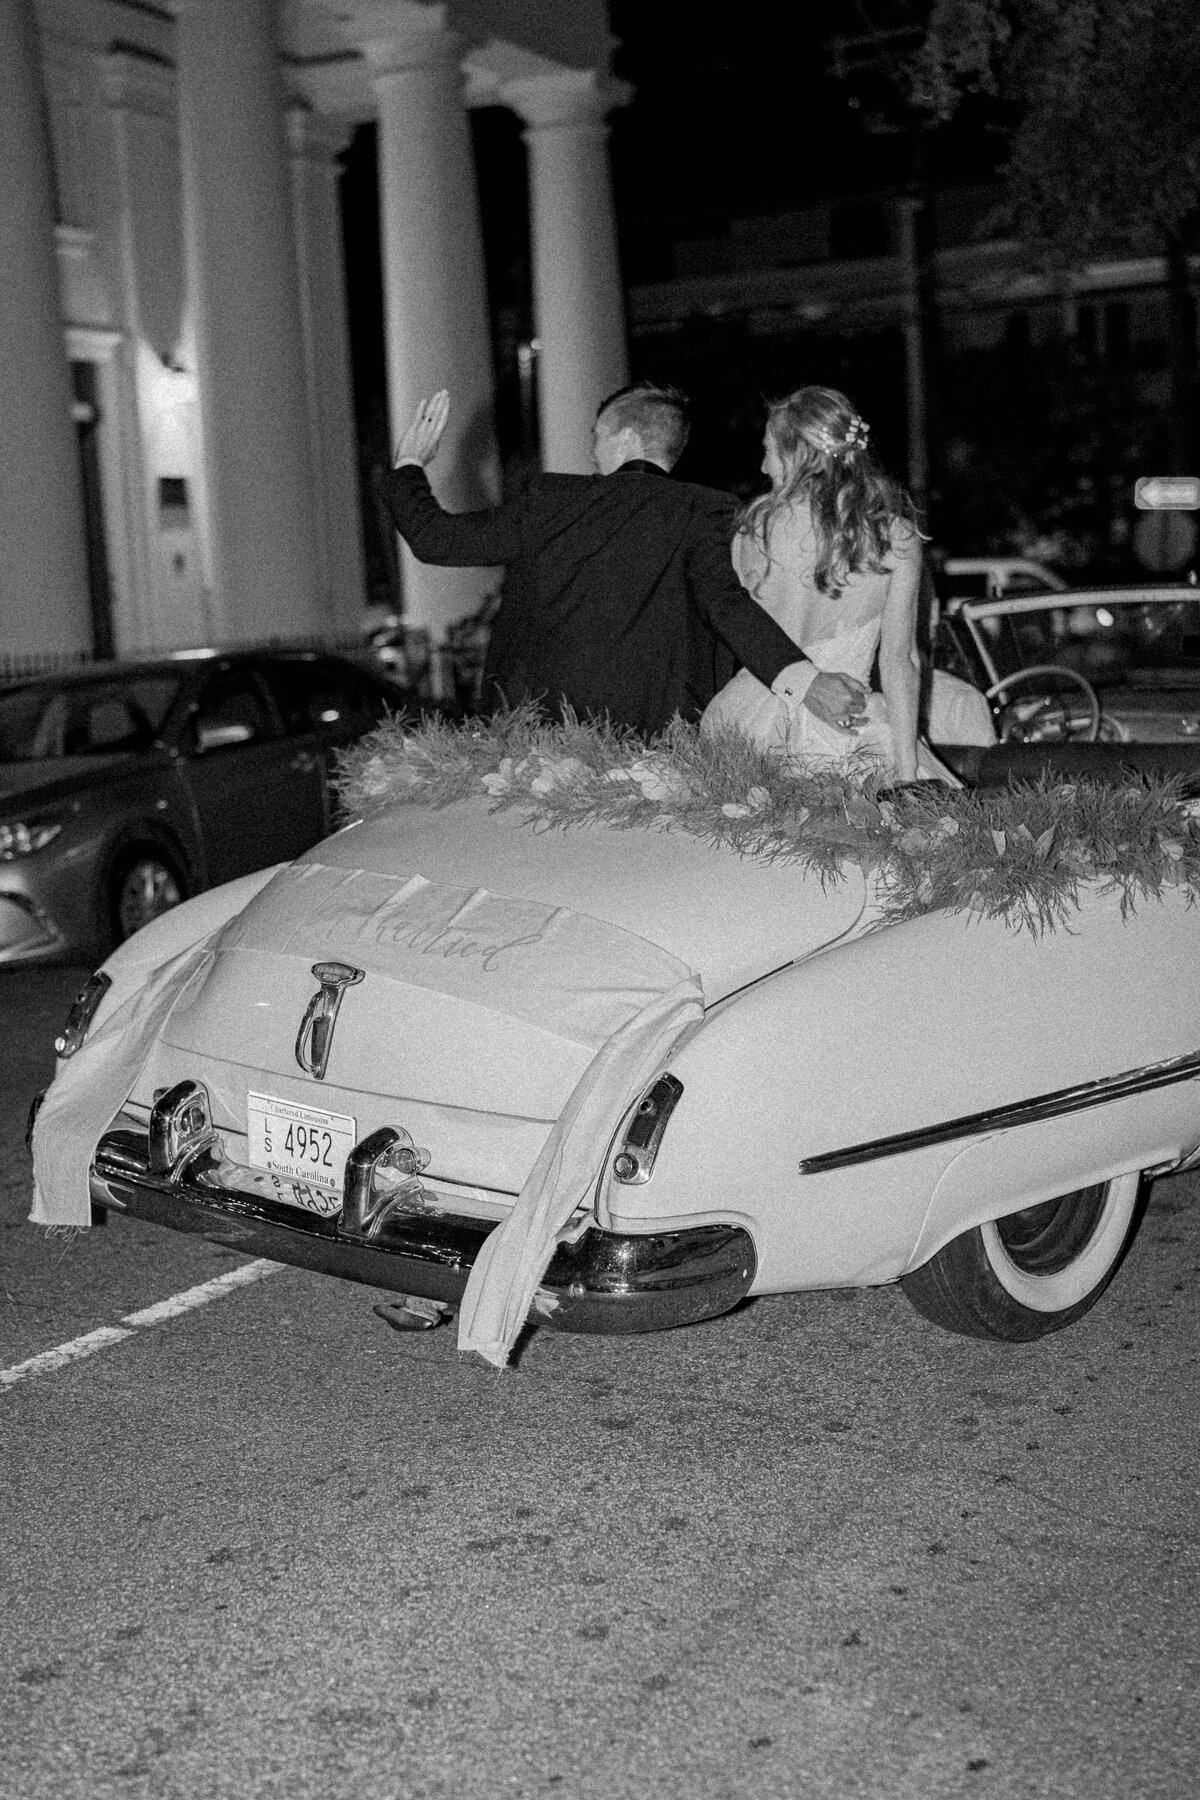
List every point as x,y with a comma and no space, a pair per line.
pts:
315,1037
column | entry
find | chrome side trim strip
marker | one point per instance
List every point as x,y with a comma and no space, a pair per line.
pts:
1018,1112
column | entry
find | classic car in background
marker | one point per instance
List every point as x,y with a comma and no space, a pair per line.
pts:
1102,682
992,577
125,787
1098,681
360,1062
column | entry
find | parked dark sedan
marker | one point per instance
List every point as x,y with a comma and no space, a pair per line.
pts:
127,787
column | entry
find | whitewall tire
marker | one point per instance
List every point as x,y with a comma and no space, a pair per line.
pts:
1034,1271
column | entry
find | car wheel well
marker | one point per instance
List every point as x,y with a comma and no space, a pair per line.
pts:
133,849
148,835
1034,1271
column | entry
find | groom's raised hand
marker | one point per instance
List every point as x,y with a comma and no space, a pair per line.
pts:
836,699
419,443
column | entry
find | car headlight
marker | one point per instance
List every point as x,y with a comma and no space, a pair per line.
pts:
22,839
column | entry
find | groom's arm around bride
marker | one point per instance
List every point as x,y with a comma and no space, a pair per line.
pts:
620,596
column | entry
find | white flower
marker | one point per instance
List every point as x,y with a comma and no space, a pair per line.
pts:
857,433
374,777
500,781
659,779
754,802
557,772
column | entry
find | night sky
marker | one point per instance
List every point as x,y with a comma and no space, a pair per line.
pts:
734,112
741,111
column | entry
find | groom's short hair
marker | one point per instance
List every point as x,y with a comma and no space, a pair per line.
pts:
661,417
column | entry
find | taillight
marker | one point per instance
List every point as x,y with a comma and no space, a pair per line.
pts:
83,1011
637,1148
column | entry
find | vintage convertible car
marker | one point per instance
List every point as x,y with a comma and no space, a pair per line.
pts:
562,1029
1102,682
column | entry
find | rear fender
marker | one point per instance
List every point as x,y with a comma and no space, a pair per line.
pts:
760,1090
911,1027
1001,1175
132,962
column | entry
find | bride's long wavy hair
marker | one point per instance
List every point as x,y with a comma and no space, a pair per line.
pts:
822,448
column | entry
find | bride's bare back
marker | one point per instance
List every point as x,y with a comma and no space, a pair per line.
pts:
781,578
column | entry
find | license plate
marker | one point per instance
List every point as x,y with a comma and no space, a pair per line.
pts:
301,1143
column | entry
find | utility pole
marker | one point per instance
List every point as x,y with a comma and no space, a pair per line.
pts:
916,385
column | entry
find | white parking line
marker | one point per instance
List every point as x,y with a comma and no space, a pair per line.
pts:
62,1354
92,1341
200,1296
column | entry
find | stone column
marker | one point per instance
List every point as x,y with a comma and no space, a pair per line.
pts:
247,343
579,309
435,294
44,600
315,143
159,598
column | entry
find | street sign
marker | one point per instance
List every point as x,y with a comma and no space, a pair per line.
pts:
1168,493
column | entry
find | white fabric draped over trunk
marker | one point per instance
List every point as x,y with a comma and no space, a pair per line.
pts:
514,1258
95,1084
590,986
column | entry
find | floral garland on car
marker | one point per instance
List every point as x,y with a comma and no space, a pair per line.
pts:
1017,853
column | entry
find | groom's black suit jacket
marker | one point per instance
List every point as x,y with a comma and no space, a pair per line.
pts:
619,596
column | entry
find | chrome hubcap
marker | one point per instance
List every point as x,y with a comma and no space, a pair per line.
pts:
148,890
1045,1239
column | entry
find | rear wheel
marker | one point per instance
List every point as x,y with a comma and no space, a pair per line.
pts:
147,883
1033,1272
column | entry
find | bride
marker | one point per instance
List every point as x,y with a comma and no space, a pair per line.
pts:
834,555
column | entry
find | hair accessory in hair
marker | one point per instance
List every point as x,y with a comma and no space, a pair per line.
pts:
857,433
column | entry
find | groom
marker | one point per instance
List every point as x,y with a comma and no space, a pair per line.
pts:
620,596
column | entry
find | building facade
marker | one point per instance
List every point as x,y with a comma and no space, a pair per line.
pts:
986,370
177,442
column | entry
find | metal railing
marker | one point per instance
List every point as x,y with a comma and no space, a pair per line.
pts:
15,665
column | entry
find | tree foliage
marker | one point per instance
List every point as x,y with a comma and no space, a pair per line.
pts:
1105,104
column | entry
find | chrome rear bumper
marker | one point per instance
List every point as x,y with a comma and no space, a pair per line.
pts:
398,1236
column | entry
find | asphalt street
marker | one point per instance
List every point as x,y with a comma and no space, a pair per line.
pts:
269,1546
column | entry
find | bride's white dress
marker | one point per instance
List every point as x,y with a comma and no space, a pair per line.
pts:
838,633
798,734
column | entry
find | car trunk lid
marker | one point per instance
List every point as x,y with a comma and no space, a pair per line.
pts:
495,962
